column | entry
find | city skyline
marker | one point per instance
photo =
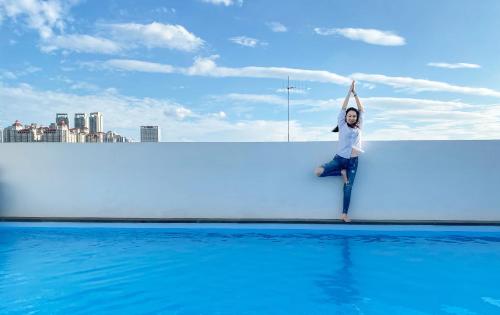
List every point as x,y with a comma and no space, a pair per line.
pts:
80,120
207,70
86,128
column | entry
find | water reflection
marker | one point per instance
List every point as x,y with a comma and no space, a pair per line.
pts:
340,286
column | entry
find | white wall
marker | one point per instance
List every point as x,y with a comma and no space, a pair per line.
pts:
406,180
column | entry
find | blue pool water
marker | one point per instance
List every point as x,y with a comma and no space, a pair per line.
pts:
248,269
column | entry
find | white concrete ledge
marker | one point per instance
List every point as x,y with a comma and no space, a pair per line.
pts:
428,181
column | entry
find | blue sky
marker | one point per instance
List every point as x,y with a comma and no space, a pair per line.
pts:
214,70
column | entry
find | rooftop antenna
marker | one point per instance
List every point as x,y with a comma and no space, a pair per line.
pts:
288,88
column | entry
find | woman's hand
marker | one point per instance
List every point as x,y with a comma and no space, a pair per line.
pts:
353,88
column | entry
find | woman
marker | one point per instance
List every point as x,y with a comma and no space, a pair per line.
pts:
345,162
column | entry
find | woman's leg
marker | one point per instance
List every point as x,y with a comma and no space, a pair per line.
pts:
331,168
343,172
352,167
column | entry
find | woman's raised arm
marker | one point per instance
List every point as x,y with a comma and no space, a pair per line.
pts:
346,101
361,108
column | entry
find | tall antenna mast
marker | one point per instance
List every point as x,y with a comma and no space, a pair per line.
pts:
288,88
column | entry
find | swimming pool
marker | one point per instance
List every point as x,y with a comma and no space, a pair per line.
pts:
65,268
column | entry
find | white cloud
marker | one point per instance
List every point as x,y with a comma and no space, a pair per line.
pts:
307,105
30,69
219,115
155,35
224,2
405,132
293,90
252,98
206,66
387,118
370,36
416,115
79,85
459,65
9,75
81,44
419,85
369,86
402,102
433,122
311,105
43,16
277,27
137,65
247,41
165,10
212,129
49,18
124,114
413,119
390,118
84,86
371,103
492,301
13,75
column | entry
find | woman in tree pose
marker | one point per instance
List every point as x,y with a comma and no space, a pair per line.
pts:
345,162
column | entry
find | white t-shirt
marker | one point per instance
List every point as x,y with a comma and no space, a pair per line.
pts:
349,138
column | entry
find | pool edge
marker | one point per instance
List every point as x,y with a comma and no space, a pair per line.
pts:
249,221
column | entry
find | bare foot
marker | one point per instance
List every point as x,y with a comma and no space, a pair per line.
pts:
344,176
345,218
319,171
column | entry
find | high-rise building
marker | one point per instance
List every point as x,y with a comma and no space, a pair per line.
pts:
110,136
62,117
18,133
150,134
80,134
96,122
9,133
60,133
81,120
95,137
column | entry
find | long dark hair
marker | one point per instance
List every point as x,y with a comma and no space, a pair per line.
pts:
355,125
